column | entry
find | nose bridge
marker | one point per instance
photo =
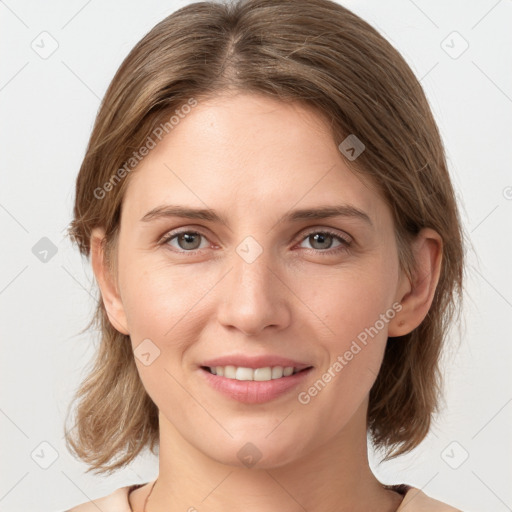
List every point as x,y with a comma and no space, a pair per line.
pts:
253,297
252,269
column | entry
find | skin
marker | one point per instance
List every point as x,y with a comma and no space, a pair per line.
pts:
254,159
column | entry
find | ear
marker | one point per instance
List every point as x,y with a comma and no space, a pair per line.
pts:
107,282
416,296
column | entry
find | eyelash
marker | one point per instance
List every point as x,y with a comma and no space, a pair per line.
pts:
345,243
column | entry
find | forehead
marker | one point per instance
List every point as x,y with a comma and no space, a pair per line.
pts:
247,151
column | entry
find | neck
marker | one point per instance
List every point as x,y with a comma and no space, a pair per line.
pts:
333,477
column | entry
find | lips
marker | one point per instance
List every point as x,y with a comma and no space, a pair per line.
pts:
240,360
247,379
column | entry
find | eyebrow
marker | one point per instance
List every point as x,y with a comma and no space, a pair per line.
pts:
324,212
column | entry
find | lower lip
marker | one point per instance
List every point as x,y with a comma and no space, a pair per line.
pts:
251,391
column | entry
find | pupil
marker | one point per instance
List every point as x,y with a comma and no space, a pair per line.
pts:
189,239
321,237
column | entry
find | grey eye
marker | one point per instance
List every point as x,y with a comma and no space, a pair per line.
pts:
321,240
186,240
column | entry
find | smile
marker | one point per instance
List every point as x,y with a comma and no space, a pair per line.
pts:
256,374
254,385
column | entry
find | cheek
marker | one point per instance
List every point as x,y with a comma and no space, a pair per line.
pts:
162,305
158,299
350,300
357,317
355,307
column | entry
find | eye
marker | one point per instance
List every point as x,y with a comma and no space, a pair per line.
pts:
323,240
187,241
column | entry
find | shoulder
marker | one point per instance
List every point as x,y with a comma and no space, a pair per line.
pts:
417,501
114,502
414,500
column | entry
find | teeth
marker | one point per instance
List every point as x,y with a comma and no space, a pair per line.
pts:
258,374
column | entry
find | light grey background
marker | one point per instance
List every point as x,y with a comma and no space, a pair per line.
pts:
48,106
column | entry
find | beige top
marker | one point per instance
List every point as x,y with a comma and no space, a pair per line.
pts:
414,501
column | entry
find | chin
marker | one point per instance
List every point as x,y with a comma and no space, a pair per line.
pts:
258,453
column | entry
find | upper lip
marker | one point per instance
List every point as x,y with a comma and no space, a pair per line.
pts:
254,361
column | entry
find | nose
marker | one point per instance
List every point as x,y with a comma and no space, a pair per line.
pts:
254,297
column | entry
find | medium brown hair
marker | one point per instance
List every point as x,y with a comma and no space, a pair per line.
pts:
320,54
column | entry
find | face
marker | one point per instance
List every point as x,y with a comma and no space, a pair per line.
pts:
258,283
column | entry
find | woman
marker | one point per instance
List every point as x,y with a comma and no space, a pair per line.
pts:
271,223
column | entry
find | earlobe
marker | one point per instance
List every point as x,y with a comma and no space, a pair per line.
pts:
416,295
107,283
